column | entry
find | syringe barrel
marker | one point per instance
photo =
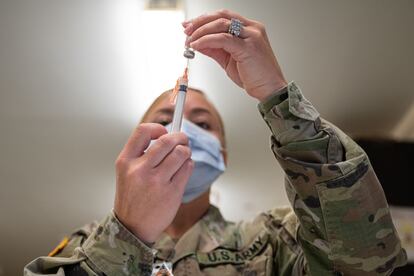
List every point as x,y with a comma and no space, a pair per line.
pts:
179,110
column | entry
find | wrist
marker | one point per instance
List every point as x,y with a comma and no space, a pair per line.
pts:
147,238
103,248
139,233
266,92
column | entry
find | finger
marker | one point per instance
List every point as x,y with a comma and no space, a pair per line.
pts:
226,62
220,25
225,41
185,24
140,139
180,179
163,146
173,161
195,23
219,55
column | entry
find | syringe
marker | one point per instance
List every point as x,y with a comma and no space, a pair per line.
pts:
181,93
179,103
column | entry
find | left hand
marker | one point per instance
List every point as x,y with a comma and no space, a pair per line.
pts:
248,59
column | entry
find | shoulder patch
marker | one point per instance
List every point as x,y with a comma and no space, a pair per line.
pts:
227,256
59,247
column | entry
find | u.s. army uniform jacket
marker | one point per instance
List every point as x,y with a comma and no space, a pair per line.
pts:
341,224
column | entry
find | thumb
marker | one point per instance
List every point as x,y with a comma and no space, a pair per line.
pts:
219,55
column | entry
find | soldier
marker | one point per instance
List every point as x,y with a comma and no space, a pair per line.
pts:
163,223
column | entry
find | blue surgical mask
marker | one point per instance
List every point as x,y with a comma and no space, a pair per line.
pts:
208,160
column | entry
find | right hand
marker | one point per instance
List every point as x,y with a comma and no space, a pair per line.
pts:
150,185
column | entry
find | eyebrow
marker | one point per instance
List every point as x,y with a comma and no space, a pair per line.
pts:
195,111
200,110
167,111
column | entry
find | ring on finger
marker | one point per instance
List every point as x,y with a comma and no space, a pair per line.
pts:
235,27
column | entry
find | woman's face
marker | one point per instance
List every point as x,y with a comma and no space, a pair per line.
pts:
197,109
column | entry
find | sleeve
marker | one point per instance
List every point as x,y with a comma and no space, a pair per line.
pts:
111,249
345,227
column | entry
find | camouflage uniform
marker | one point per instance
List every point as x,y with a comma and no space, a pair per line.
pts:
340,223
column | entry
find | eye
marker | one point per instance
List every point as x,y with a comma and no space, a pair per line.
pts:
204,125
163,122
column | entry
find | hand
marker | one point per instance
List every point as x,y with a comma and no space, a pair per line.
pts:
248,59
150,185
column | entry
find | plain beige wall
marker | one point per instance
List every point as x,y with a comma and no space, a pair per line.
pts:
63,96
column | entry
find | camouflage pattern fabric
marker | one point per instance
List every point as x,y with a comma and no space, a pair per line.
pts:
340,223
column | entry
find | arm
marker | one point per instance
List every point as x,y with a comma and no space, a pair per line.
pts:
345,224
110,249
149,189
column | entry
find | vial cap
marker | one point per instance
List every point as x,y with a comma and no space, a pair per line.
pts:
189,53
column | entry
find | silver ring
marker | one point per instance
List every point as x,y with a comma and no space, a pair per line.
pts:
236,27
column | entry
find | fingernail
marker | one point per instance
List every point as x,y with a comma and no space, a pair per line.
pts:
188,40
188,29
